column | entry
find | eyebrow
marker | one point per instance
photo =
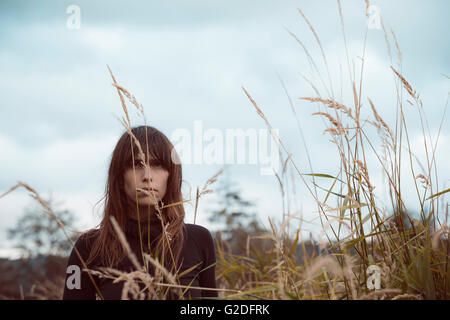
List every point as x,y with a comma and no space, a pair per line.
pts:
137,158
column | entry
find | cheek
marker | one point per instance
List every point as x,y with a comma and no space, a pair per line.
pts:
128,181
163,180
128,185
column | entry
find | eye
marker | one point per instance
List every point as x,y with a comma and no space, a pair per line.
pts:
139,163
156,164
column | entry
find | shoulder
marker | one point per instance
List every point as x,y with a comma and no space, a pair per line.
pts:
197,231
200,238
86,239
200,235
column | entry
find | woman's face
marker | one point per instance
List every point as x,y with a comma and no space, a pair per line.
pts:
150,182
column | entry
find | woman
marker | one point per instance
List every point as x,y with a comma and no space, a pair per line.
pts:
143,196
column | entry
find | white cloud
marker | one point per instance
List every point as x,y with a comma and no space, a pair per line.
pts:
104,39
60,164
58,102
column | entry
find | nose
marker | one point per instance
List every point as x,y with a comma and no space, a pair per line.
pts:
147,174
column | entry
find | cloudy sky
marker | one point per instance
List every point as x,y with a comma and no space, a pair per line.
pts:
187,61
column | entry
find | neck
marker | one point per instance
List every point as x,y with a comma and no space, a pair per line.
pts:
146,212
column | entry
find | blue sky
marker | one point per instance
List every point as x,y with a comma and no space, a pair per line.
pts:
187,61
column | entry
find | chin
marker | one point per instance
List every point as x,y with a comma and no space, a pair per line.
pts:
147,203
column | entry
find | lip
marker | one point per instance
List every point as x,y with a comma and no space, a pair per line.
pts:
147,190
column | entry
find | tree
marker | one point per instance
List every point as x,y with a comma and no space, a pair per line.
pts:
38,234
40,273
236,216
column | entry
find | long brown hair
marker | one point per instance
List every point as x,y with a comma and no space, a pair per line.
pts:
106,249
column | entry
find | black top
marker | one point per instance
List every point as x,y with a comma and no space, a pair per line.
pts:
198,249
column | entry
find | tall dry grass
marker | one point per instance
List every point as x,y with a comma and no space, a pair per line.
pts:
411,252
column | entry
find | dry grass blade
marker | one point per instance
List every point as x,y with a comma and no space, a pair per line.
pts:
332,104
125,244
258,110
321,49
425,181
127,123
199,193
437,235
336,123
130,97
407,86
169,276
367,8
122,100
408,296
377,293
381,121
399,52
